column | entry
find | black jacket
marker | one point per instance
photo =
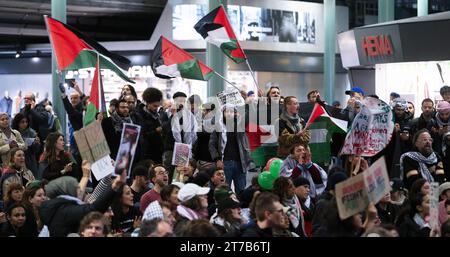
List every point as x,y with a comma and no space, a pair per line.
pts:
7,230
111,136
75,114
39,119
151,141
409,228
255,231
63,216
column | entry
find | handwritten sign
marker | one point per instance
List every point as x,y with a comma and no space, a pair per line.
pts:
232,97
371,129
91,142
102,167
354,195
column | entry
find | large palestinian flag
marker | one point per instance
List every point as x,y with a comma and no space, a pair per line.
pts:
322,126
170,61
97,98
216,29
74,50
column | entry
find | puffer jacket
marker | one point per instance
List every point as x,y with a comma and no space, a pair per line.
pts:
62,215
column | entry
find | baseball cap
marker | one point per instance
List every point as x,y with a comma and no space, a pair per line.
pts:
227,203
355,90
250,93
190,190
443,187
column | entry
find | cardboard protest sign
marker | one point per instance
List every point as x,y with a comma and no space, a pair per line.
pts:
231,96
83,145
354,195
127,148
96,140
434,205
92,146
181,154
371,129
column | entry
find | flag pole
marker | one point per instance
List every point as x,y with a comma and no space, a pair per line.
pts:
253,75
226,80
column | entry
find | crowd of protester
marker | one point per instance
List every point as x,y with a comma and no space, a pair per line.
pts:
48,190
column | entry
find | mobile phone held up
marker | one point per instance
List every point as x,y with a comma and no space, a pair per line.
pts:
70,82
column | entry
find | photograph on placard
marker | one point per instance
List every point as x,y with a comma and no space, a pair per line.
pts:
127,148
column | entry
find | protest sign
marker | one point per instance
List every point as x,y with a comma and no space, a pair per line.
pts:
231,96
371,129
83,146
181,154
92,145
102,167
127,148
96,140
434,205
354,195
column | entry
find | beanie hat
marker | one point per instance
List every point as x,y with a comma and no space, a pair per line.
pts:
65,185
300,181
336,178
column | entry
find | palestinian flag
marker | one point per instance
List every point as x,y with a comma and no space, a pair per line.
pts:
170,61
216,29
97,97
75,50
322,126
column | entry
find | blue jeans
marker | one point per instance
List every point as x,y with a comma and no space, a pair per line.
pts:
233,172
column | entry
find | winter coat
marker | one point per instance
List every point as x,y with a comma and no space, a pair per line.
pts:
218,142
151,141
288,135
4,145
40,120
11,175
63,214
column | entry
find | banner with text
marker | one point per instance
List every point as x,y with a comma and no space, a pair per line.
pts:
371,129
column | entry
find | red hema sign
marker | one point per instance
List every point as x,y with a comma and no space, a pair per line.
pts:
377,45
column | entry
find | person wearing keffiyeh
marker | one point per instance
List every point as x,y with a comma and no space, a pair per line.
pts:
422,162
112,126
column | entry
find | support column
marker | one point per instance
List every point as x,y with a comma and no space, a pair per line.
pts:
422,7
216,60
329,49
386,10
59,13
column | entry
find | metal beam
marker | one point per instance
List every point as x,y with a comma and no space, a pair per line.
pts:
422,7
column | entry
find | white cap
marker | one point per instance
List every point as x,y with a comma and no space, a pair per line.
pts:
178,184
190,190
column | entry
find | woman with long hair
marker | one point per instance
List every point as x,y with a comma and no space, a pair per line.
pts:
126,216
16,172
32,199
55,162
29,135
285,190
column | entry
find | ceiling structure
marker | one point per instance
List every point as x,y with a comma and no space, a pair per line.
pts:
22,22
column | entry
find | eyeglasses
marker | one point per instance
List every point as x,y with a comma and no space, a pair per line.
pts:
279,211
